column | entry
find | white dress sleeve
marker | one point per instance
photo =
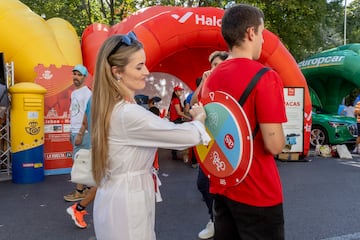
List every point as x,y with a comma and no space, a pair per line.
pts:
141,127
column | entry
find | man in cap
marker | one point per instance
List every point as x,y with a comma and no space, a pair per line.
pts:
79,99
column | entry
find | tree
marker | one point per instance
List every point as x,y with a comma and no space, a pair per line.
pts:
304,26
353,22
81,13
331,29
74,11
297,24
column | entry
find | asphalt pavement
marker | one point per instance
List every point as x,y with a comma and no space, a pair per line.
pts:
321,202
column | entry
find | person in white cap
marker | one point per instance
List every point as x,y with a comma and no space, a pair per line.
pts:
79,99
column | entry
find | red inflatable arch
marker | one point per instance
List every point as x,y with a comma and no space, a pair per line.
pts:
179,40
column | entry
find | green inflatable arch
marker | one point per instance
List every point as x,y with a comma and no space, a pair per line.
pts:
333,74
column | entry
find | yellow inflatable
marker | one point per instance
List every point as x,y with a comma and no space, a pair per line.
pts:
28,40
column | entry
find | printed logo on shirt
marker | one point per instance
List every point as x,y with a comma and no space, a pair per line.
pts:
75,108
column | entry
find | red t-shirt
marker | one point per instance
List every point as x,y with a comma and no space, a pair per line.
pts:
172,111
265,104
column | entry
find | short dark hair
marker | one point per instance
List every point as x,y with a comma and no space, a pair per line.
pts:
236,20
220,54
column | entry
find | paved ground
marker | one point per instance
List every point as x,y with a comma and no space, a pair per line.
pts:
321,203
37,211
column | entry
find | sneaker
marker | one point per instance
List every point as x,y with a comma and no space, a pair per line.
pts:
208,232
77,216
76,196
356,150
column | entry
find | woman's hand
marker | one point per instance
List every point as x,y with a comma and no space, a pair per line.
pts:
197,112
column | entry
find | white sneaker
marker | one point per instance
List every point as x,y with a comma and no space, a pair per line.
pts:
208,232
356,149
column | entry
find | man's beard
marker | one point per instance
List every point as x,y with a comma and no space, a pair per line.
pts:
77,83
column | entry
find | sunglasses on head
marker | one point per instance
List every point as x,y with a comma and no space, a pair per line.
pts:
125,40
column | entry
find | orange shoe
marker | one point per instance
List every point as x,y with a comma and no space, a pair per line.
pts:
77,216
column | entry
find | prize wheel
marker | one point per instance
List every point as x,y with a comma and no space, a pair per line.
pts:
227,158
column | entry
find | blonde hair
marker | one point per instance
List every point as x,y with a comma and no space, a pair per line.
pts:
107,91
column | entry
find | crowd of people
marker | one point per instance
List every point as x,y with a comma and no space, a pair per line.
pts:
125,137
352,111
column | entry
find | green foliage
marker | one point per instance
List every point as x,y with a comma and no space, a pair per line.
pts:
297,23
74,11
353,22
332,27
304,26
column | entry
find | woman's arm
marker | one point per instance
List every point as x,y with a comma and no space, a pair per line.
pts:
143,128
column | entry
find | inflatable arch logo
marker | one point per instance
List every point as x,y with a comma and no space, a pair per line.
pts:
179,40
322,62
333,74
199,19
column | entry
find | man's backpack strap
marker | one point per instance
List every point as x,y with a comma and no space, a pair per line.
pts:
248,90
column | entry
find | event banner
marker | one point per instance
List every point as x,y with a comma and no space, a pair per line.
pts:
57,146
294,128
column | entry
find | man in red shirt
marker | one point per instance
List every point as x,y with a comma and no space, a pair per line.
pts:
253,208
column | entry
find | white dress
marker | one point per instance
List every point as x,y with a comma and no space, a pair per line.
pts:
124,206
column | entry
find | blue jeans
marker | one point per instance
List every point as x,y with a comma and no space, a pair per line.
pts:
85,142
203,185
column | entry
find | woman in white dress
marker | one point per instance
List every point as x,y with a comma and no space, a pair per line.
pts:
125,137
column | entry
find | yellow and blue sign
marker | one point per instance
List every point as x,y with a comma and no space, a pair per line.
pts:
27,132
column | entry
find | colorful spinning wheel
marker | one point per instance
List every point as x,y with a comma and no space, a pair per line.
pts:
227,158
